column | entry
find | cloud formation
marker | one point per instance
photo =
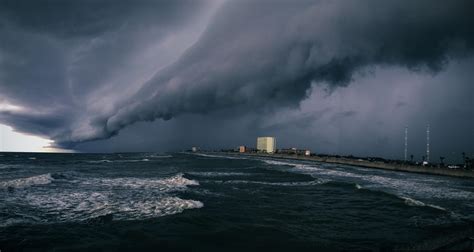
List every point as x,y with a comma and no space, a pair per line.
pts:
85,73
266,54
63,62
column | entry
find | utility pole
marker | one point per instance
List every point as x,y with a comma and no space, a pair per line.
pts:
428,143
406,143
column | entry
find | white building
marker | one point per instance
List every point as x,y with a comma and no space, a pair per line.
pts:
266,144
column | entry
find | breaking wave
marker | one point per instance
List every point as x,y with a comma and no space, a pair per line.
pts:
412,202
159,156
81,206
274,162
298,183
217,156
423,187
218,174
117,161
85,199
167,184
27,182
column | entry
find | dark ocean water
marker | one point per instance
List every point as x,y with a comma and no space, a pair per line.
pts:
148,201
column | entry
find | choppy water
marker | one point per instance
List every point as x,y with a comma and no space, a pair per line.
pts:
215,202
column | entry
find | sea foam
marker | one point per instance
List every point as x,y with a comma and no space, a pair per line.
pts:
82,206
218,174
167,184
413,202
28,181
424,187
292,183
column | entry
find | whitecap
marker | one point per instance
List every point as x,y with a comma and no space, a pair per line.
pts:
413,202
99,161
424,187
159,156
217,156
82,206
295,183
118,161
176,182
155,208
27,182
218,174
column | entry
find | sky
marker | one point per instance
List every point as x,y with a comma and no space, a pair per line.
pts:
337,77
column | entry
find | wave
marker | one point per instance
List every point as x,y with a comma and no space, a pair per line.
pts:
217,156
123,198
295,183
218,174
99,161
43,179
413,202
176,182
302,167
84,206
156,208
424,187
117,161
274,162
159,156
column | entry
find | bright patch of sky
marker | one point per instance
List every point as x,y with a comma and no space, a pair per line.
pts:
12,141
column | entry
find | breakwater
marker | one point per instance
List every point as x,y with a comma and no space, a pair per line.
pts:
373,164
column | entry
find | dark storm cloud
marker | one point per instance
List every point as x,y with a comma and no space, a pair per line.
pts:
71,19
62,62
89,61
265,54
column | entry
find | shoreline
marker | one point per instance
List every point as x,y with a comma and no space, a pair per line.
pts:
460,173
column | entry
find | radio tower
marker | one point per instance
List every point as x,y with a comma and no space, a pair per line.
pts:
406,143
428,143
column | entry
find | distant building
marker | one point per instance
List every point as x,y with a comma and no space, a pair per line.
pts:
242,149
307,153
194,149
266,144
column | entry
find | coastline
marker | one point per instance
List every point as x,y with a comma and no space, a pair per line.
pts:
369,164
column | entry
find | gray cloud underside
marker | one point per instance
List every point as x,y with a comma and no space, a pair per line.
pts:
253,55
265,54
64,62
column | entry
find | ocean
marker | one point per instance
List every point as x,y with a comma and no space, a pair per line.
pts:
218,202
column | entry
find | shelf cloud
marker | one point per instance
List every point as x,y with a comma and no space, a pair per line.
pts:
83,73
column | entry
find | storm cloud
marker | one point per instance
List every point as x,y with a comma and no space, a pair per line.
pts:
258,54
84,73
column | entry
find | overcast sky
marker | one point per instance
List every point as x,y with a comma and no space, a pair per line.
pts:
340,77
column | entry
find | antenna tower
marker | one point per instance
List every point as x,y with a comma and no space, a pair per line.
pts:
406,143
428,143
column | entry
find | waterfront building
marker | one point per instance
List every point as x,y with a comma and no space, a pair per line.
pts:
242,149
266,144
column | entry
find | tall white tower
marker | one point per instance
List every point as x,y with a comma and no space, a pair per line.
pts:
428,143
406,143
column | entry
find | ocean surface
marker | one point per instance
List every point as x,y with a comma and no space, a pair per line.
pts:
185,201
